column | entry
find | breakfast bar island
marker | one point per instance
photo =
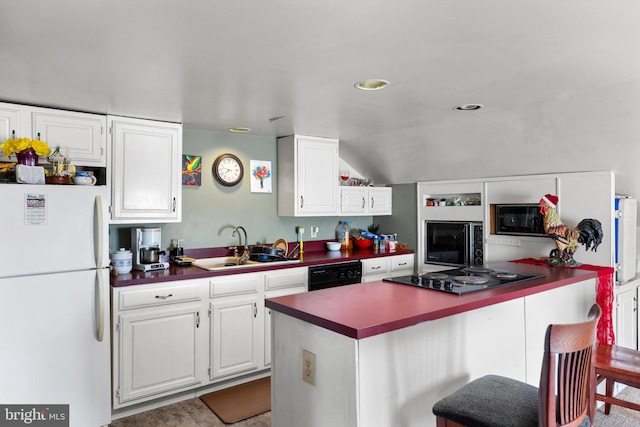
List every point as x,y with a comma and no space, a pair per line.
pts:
381,354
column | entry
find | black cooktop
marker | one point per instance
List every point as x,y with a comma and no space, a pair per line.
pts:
463,280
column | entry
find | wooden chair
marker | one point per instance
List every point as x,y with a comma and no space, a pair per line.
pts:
617,364
567,367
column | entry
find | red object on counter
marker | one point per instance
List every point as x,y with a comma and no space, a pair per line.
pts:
604,296
363,243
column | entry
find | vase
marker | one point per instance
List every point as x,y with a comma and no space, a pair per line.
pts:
27,157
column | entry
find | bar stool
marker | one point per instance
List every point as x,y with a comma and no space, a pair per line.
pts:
567,366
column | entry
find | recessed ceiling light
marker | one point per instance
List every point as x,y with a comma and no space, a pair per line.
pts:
371,84
239,130
468,107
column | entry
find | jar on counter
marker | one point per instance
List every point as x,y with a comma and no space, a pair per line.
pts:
122,260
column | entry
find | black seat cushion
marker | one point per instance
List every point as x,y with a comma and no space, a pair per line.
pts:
491,401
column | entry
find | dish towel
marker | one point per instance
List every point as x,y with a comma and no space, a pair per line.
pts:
604,296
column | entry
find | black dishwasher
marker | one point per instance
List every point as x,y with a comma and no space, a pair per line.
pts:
332,275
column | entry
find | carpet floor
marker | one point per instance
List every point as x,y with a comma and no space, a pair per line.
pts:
620,417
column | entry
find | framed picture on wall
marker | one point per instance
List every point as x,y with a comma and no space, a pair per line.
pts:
191,170
260,176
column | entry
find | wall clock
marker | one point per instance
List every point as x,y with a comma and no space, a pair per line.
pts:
228,170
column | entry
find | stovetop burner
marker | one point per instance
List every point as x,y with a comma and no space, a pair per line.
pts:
463,280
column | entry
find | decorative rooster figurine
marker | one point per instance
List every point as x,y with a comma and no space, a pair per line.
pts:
588,232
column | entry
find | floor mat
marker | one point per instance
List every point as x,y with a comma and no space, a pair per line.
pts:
240,402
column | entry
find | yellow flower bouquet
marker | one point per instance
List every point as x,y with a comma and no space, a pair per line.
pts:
17,145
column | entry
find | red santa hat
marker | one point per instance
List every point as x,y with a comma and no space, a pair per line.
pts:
551,200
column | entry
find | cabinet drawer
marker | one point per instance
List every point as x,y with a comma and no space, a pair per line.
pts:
402,262
234,285
286,278
159,295
375,266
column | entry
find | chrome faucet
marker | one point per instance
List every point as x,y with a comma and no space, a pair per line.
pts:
245,253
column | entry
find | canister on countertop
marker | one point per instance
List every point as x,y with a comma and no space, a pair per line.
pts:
121,260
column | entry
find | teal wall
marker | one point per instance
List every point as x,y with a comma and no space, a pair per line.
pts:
208,210
404,220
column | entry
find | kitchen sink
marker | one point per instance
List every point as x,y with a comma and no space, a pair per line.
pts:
232,262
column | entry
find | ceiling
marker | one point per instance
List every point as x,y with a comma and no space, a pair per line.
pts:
559,79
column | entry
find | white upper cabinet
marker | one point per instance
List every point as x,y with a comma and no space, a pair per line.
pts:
81,135
307,176
10,123
146,160
365,200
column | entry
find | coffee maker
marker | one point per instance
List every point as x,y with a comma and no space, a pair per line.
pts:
145,245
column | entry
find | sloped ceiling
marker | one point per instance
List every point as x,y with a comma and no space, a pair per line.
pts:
559,79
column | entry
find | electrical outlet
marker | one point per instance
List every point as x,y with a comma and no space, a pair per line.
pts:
309,367
314,231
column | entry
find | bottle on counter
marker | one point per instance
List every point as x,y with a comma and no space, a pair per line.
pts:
343,234
348,243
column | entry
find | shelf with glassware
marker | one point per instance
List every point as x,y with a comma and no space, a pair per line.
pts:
37,164
452,206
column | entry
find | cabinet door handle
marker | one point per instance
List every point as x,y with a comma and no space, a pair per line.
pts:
197,319
174,205
255,310
163,296
364,201
402,263
301,202
377,267
13,134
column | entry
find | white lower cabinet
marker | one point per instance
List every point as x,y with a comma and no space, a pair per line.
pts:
277,284
626,315
235,327
235,333
389,266
401,265
157,341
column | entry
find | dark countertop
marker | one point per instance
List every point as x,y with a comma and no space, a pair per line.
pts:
314,254
366,309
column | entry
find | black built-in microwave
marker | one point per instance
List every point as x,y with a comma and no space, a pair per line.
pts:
455,243
519,219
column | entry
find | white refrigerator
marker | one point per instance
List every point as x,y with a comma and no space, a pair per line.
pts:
54,300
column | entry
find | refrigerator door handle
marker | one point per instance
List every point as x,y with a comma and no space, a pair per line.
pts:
99,306
99,240
98,228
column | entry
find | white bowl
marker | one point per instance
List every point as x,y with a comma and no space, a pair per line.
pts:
333,246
